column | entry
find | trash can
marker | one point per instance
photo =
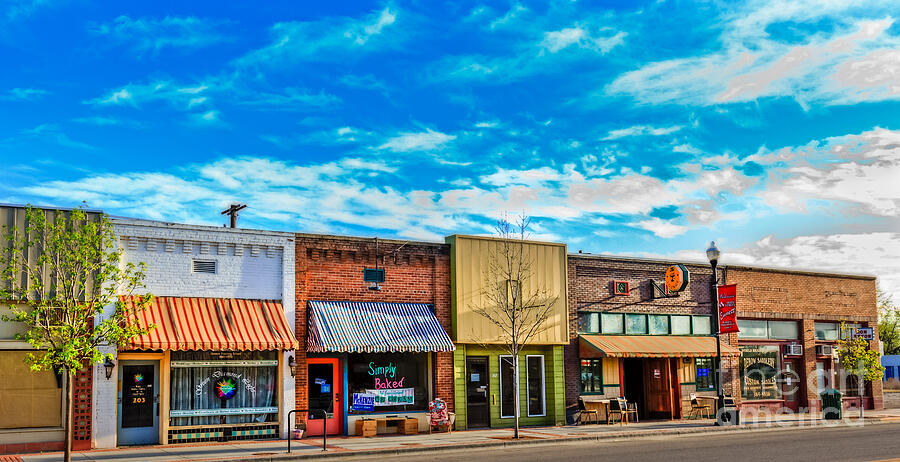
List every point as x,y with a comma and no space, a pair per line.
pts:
832,404
728,414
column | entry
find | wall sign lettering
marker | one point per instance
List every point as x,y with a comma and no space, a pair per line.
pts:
382,374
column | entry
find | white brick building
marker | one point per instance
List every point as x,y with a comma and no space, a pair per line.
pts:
200,262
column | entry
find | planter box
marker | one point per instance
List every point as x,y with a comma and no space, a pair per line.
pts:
366,428
409,426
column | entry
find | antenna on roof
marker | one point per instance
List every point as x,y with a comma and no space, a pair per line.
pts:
233,212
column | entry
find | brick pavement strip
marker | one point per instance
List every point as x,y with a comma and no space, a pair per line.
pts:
310,448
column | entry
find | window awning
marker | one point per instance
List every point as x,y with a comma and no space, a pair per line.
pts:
360,327
650,346
222,324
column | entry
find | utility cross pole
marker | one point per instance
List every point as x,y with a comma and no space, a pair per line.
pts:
233,212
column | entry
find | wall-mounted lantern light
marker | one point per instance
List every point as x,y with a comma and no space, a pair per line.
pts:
109,365
293,365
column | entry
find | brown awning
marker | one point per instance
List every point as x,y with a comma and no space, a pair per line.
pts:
223,324
650,346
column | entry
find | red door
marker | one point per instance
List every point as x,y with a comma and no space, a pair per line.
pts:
657,386
323,391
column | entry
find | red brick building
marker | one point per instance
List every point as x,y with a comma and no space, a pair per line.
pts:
331,284
629,339
795,318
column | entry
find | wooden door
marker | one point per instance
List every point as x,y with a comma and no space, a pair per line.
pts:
791,384
657,382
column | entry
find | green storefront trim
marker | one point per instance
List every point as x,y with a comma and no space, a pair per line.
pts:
554,385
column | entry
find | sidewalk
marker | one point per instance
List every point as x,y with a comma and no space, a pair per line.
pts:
342,445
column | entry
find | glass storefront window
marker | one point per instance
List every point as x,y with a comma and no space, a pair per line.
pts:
681,325
507,374
612,323
827,330
534,377
659,324
635,324
759,366
589,323
223,387
592,376
701,325
398,376
752,329
706,376
783,330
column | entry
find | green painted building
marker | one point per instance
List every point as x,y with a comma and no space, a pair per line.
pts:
483,367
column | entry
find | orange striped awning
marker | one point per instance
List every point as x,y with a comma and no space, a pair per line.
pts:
650,346
213,324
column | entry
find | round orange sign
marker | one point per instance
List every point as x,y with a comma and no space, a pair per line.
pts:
677,278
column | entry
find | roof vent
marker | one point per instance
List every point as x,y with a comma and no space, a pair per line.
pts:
203,266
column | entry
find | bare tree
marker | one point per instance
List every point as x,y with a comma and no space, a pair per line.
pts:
512,299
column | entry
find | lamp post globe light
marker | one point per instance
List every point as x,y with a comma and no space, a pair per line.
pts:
713,253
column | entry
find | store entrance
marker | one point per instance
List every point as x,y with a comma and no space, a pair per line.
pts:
634,384
138,410
324,392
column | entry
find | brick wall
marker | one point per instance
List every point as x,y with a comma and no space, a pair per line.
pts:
590,289
331,268
807,297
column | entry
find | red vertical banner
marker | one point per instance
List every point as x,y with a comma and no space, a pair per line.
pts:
728,308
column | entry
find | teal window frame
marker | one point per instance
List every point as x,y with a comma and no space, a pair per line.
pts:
623,320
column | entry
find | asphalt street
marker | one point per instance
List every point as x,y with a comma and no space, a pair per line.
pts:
866,443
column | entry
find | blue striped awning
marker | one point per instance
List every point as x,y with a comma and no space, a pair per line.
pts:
359,327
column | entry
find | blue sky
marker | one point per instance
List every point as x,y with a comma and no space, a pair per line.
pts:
645,129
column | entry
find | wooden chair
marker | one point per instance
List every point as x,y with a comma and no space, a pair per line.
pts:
585,412
631,409
698,408
618,407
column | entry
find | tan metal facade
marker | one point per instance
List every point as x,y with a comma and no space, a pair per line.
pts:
470,260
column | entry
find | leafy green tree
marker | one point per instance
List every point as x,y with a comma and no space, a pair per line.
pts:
60,273
858,359
888,323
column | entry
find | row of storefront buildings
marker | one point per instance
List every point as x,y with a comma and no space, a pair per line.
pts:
251,325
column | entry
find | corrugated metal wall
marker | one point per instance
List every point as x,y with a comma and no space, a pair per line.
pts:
471,267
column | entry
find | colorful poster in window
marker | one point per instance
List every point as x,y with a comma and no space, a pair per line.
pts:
364,402
393,396
728,309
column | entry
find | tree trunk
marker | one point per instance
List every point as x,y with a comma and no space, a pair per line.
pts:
516,393
67,421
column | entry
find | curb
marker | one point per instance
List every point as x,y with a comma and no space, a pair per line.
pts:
623,435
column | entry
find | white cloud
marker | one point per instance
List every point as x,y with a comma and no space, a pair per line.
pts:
417,141
662,228
53,134
851,65
641,130
151,35
328,39
859,171
557,40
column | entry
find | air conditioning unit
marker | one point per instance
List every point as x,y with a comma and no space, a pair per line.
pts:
794,349
824,350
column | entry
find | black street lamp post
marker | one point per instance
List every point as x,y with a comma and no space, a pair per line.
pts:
712,253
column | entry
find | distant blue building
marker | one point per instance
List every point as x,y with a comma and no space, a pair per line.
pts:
891,365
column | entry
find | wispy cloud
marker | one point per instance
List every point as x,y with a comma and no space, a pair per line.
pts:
327,39
24,94
581,37
53,134
848,65
417,141
641,130
152,35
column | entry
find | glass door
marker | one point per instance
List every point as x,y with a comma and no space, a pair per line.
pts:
477,409
138,416
324,392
